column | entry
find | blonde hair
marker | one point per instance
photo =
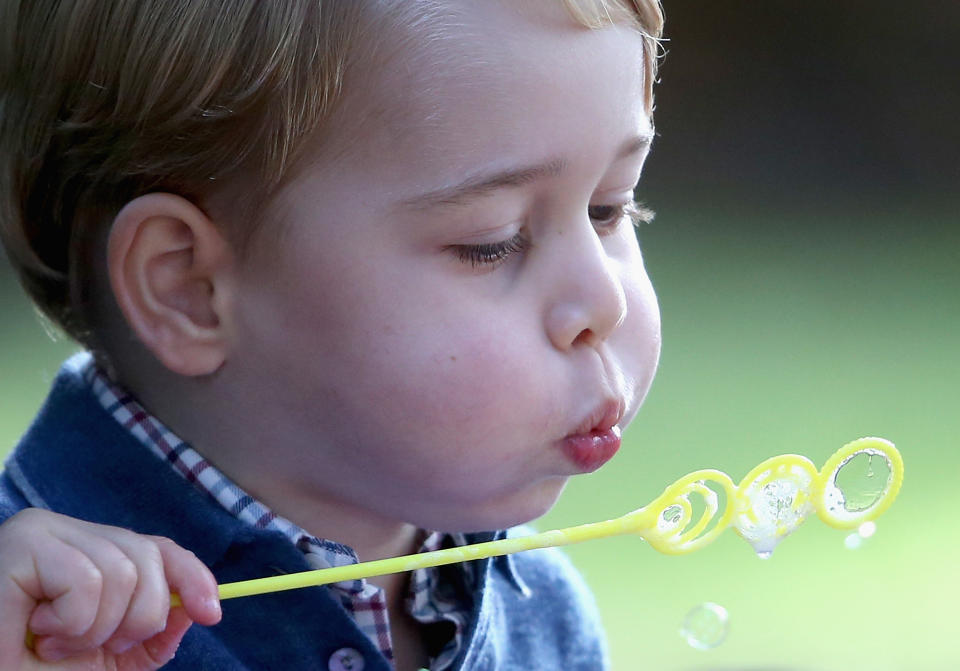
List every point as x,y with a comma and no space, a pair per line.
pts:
105,100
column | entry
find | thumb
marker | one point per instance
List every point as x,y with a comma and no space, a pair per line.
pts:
14,640
157,651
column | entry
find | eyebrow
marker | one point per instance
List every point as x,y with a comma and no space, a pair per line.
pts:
635,145
481,185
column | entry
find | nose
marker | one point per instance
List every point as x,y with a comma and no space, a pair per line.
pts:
587,302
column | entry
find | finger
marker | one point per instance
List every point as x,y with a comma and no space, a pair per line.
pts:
192,580
146,613
157,651
69,588
119,579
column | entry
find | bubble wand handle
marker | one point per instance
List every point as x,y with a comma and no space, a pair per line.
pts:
667,523
641,522
405,563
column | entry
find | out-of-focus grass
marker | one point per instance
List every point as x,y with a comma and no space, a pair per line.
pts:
789,334
30,355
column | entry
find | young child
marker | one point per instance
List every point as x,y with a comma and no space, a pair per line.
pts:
356,279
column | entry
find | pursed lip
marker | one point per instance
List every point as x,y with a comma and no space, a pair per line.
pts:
604,417
596,439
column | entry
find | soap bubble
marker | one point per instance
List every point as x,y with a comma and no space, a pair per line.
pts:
863,479
670,518
777,502
705,626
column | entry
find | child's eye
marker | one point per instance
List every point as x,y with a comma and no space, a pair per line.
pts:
490,253
607,216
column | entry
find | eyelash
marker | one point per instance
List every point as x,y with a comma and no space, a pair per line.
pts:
493,253
636,212
490,253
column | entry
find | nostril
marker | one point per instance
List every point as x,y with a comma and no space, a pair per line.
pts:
586,337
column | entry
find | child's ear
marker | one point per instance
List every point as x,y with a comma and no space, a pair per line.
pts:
170,271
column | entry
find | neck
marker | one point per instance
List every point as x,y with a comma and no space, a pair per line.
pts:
370,536
272,459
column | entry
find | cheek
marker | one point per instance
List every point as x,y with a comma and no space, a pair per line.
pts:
457,408
462,383
639,338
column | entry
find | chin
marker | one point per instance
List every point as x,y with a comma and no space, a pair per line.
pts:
506,511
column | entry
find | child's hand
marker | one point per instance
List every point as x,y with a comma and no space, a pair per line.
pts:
96,597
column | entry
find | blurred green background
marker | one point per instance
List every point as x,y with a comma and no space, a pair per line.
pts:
807,258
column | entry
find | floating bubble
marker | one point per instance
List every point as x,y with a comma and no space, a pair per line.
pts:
705,626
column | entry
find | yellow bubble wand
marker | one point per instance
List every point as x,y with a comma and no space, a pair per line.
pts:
856,484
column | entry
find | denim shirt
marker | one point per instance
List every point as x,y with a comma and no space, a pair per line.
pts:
530,611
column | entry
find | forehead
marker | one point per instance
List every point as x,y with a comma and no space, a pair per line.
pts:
467,85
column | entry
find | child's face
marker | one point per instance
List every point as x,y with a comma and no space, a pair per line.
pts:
422,350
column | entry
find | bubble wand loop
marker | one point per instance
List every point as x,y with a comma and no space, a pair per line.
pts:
769,503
